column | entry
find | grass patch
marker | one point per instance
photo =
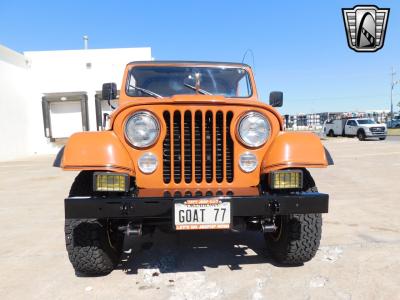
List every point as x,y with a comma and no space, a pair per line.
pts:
394,131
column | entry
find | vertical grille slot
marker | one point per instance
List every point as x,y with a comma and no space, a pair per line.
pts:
177,147
229,148
209,145
187,133
167,150
219,170
198,145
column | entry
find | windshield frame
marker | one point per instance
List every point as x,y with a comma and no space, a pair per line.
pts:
246,69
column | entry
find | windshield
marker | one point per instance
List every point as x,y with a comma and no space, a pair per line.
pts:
166,81
369,121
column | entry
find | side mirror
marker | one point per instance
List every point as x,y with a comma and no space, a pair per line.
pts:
109,91
276,99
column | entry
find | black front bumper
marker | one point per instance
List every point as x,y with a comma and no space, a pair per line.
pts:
137,207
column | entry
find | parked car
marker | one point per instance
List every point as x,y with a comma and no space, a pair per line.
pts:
191,147
361,127
394,123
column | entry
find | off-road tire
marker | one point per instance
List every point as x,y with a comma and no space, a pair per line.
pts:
297,240
361,135
82,185
88,247
88,241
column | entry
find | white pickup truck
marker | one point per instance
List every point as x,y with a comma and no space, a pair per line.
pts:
362,128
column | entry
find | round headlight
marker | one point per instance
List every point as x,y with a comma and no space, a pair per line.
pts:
147,163
253,129
142,129
248,162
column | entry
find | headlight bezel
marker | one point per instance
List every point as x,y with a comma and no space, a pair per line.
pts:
247,115
156,122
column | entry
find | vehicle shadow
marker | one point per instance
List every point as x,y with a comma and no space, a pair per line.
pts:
189,252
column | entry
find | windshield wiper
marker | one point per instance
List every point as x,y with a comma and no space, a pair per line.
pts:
201,91
148,92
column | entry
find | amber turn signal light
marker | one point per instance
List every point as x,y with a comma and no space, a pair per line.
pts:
286,179
111,182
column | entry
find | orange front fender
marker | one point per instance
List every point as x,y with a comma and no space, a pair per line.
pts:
295,150
96,151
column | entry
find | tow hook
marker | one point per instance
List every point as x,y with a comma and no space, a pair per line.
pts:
132,229
268,225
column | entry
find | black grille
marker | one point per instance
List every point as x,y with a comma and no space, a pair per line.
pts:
167,150
219,145
198,145
229,148
191,150
209,146
187,129
177,147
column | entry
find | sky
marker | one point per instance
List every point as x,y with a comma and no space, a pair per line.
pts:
299,47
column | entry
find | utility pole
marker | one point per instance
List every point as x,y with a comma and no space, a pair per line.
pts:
392,84
391,93
85,42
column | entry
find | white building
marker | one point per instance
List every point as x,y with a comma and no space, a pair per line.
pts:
26,77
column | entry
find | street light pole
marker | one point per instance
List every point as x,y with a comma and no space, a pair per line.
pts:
393,83
391,94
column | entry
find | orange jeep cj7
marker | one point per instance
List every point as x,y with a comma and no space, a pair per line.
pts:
191,147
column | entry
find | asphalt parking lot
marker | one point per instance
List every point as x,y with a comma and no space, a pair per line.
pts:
358,258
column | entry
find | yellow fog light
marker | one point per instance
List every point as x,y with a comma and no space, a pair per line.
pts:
111,182
287,179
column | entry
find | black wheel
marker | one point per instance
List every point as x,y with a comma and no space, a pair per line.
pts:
89,248
82,185
382,138
361,135
331,133
298,235
296,240
93,246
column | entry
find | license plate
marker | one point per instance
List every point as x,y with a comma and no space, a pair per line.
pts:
202,214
